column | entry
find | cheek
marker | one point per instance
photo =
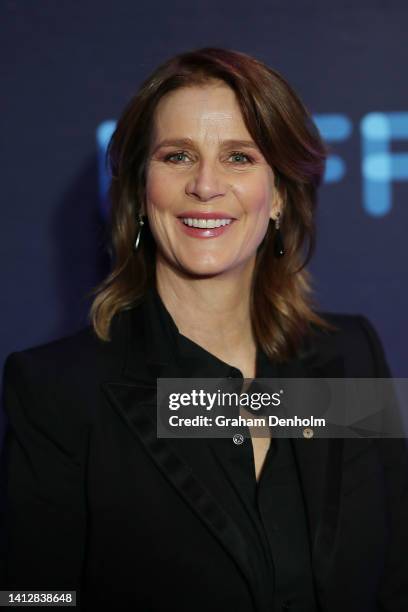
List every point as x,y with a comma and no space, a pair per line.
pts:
158,190
255,196
154,196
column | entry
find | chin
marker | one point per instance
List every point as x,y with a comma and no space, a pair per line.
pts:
200,269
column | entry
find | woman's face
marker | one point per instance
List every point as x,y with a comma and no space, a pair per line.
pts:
205,170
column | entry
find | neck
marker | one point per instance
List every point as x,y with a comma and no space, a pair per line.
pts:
212,311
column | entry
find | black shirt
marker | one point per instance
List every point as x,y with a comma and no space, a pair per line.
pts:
274,507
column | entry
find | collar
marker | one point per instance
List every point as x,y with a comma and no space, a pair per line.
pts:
154,332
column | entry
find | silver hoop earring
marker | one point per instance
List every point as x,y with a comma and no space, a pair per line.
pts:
139,233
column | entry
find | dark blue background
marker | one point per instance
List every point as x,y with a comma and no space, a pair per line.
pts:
69,66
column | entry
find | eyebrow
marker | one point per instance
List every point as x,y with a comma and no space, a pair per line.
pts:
188,142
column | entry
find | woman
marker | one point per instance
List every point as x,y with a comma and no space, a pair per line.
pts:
215,166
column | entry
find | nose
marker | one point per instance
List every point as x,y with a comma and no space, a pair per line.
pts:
206,183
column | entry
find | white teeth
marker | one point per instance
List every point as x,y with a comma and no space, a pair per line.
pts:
206,223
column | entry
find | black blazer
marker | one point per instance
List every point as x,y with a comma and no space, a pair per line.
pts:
95,502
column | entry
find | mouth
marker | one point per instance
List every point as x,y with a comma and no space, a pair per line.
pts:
206,223
206,227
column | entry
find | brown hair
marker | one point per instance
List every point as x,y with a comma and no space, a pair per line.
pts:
281,303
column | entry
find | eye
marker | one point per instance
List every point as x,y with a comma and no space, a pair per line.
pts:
240,154
178,155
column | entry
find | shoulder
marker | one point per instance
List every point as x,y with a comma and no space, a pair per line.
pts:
60,377
50,360
355,339
69,357
49,402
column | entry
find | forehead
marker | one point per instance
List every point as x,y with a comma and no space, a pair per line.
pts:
199,110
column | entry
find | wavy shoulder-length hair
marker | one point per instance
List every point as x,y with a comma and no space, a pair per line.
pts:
282,307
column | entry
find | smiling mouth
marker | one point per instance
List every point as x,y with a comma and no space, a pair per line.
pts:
205,223
199,227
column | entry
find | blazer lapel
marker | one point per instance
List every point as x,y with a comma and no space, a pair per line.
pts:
181,461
